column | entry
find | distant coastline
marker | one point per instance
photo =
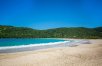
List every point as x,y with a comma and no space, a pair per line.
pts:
73,32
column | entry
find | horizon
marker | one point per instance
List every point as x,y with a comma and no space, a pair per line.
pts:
48,14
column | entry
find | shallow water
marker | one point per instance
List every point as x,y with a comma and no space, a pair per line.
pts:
25,41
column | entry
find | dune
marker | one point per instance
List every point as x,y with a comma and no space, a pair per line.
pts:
82,55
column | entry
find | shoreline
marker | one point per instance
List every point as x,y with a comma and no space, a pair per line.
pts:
31,47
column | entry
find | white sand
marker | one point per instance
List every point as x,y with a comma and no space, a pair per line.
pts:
82,55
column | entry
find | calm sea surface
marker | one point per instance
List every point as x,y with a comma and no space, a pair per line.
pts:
25,41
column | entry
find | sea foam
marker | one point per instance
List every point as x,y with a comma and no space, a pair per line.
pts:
34,45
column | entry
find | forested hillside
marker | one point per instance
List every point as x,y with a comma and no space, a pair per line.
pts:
74,32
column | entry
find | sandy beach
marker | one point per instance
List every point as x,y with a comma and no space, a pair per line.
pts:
82,55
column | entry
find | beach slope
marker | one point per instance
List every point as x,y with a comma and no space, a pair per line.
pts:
82,55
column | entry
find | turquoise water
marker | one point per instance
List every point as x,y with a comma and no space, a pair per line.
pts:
27,41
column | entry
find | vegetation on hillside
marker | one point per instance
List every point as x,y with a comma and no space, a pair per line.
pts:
74,32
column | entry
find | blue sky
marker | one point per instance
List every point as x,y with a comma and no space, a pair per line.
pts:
45,14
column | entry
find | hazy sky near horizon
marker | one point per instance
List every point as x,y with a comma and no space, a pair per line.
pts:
45,14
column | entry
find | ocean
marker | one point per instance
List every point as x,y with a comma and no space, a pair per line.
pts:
5,42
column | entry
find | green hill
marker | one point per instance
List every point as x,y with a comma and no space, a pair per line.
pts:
73,32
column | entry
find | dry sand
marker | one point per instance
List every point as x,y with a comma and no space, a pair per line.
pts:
82,55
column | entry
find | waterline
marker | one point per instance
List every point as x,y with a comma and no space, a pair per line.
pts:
33,45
